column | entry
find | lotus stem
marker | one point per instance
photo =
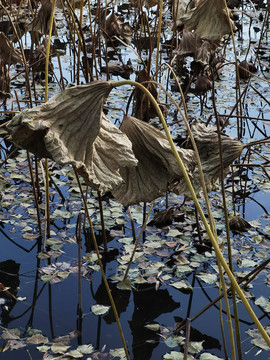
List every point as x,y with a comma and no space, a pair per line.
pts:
226,216
46,99
101,266
197,204
159,30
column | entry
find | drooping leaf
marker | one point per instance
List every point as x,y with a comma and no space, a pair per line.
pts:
208,19
157,165
72,129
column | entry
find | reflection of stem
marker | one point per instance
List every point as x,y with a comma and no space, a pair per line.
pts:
249,277
35,293
50,309
20,246
79,308
187,339
225,210
138,240
132,225
101,266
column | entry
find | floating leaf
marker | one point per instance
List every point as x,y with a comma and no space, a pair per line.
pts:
124,284
43,348
15,344
47,277
207,278
37,339
208,356
74,354
246,263
86,349
153,327
100,309
264,303
258,339
118,353
182,284
195,347
59,349
11,334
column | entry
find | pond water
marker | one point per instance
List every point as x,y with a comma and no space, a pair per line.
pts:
173,276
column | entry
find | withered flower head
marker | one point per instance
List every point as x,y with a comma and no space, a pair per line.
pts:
238,224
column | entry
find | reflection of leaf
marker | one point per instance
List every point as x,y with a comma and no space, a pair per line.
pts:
100,309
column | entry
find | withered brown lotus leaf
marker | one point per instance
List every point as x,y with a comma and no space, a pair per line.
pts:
117,69
204,52
208,19
188,44
41,23
110,151
116,27
72,129
8,53
180,7
4,81
157,166
208,147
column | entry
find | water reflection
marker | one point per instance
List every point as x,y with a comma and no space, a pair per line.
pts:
9,281
149,304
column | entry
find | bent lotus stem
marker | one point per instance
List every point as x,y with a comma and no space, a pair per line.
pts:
47,187
197,204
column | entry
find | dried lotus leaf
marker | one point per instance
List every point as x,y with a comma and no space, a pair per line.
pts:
72,129
57,128
208,147
111,150
8,53
157,166
208,19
